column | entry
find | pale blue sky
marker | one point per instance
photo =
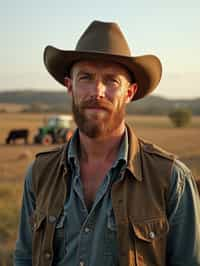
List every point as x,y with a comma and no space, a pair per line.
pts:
170,30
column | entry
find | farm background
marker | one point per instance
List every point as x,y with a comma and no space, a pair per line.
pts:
14,160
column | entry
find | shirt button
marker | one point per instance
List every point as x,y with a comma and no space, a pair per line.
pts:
47,255
152,235
52,219
87,230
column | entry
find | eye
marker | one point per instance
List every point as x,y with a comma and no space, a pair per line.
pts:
85,77
113,81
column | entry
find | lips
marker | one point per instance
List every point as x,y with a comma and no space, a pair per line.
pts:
96,108
98,105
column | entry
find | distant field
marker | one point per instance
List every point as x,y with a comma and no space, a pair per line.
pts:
14,159
184,142
12,107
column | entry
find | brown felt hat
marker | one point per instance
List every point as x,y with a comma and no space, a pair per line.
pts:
103,40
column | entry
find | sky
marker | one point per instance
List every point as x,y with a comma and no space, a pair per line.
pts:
169,30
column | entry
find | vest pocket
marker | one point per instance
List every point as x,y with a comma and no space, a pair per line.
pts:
36,220
39,222
149,241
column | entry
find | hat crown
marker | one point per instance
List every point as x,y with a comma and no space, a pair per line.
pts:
103,37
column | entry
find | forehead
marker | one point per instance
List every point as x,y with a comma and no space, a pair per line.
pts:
100,65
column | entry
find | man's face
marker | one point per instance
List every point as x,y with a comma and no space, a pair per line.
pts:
100,92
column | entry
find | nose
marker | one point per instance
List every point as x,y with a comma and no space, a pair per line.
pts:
99,89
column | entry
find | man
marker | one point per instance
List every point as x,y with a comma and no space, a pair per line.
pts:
107,197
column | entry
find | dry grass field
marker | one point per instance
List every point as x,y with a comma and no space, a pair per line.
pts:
14,160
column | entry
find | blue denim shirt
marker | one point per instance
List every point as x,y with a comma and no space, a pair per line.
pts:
88,238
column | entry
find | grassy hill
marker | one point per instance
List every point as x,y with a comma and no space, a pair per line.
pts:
59,101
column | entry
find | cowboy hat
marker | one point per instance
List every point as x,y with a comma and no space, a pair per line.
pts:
103,40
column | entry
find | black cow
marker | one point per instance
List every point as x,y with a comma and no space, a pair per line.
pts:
17,134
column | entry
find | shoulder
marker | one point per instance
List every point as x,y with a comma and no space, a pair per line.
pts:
28,177
46,156
46,164
154,150
181,168
49,152
47,159
181,174
181,179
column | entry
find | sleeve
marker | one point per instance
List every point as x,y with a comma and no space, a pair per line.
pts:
183,211
23,249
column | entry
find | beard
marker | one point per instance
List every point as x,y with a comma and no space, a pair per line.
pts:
98,125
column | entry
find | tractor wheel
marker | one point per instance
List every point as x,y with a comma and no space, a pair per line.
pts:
47,140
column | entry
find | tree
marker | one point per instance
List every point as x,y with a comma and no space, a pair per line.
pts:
180,117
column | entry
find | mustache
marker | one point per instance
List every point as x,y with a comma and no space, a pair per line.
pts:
95,103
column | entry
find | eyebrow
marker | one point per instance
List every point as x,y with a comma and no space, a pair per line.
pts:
82,72
88,72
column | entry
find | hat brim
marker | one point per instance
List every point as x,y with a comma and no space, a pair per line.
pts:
147,69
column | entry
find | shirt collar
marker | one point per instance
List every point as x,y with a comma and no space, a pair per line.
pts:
123,150
129,153
73,149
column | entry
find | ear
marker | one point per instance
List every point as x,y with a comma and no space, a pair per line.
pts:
131,92
68,84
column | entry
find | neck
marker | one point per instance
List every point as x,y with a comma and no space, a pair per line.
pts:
102,149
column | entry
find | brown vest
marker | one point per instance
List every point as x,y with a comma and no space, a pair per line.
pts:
139,203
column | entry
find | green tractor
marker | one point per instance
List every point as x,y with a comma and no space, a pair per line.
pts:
57,129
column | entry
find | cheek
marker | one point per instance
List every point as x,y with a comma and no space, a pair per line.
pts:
79,97
119,96
118,103
75,98
120,93
80,91
77,93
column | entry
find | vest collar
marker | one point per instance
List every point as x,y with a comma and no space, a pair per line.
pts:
134,164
